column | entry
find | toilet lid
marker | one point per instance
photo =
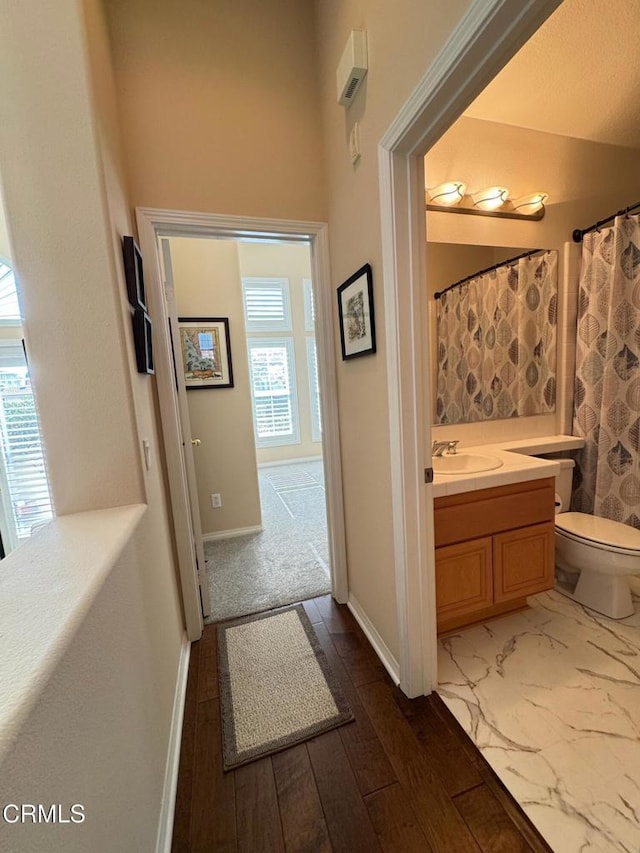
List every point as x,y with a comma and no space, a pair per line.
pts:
603,531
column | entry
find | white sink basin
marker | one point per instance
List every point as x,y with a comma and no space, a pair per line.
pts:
465,463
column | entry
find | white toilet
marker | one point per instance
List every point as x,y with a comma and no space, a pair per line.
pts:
594,555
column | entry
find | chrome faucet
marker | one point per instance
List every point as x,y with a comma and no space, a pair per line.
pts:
438,447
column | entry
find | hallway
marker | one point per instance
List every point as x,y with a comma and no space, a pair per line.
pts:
402,777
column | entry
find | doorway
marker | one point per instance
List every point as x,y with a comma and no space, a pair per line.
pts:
154,224
258,433
484,40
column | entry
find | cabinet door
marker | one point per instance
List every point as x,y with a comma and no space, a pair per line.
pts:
463,579
523,561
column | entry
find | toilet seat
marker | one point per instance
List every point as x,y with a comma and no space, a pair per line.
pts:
600,533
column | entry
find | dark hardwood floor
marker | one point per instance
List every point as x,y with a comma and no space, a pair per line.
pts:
403,777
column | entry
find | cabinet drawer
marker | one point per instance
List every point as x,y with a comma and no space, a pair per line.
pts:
463,578
523,561
470,515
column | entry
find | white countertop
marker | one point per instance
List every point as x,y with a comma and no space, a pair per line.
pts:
517,466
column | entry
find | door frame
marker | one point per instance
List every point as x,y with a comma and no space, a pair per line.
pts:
154,223
171,314
488,35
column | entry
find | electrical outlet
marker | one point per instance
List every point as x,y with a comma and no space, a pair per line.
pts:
216,500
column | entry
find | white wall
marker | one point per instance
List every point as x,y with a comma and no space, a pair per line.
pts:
99,731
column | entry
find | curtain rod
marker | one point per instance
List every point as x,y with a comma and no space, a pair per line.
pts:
488,269
579,233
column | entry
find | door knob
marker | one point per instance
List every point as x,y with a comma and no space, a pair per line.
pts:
196,442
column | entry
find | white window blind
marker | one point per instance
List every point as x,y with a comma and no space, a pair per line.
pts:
267,306
314,389
275,407
309,306
23,459
9,307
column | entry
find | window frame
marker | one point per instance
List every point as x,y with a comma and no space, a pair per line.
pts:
11,535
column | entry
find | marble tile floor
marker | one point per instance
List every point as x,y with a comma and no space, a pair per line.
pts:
551,697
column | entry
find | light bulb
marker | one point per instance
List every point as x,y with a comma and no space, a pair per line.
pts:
449,193
531,203
490,198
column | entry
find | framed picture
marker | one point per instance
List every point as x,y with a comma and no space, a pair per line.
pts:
133,273
355,307
143,341
206,352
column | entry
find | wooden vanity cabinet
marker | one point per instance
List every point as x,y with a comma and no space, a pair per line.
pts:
494,547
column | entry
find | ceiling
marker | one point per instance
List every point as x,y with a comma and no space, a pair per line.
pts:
579,76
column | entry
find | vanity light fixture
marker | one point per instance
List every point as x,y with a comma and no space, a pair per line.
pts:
449,197
491,198
529,203
449,193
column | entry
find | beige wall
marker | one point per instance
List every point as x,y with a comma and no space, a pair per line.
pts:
219,105
206,276
73,317
99,731
5,246
586,181
403,39
292,262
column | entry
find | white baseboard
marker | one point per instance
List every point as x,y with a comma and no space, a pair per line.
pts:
231,534
379,645
168,807
300,460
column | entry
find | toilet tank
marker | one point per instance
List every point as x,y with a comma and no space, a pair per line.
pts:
564,481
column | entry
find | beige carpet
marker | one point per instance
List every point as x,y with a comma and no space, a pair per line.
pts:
276,685
287,561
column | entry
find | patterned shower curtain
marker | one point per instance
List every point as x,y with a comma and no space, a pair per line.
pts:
607,387
497,343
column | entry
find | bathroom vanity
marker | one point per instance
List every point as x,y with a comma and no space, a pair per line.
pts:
494,547
494,531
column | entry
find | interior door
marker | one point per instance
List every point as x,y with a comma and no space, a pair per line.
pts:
189,441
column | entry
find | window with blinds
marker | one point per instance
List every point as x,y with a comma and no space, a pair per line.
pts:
273,391
309,306
314,389
23,478
267,306
9,306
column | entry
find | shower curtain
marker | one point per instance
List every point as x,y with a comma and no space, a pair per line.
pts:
607,386
497,343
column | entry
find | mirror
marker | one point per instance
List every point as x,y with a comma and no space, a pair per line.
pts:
493,335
